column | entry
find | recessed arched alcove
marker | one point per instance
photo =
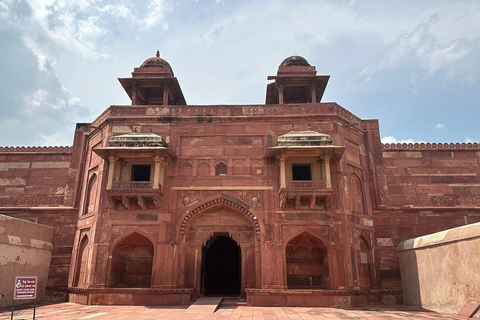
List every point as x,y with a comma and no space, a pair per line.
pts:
89,204
363,258
306,263
132,261
221,169
355,194
82,263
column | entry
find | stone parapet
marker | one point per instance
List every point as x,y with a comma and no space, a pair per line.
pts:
36,149
440,271
416,146
322,298
131,296
170,113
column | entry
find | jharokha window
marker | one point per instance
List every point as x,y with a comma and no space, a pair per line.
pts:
301,172
140,172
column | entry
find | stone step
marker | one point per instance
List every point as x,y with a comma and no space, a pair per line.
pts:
205,305
232,302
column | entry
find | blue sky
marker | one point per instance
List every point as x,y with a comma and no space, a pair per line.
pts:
414,65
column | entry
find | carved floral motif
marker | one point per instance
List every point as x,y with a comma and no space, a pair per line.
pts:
225,201
444,201
31,200
222,110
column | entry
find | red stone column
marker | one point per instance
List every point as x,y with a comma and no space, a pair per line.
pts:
258,266
134,92
314,92
164,266
280,87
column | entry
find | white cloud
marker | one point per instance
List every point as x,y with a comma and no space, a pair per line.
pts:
391,139
427,49
441,126
35,100
118,11
156,12
70,25
471,140
222,52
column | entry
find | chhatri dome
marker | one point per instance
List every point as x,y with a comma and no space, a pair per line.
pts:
294,61
156,62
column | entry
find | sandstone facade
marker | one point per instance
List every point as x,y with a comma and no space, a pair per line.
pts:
291,202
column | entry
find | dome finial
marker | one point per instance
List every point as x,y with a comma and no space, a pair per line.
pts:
158,53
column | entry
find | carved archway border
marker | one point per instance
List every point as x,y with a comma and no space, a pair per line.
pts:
225,200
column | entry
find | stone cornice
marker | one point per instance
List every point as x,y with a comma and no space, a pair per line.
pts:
29,149
170,113
430,146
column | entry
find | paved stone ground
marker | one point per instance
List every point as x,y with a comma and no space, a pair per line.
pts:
67,311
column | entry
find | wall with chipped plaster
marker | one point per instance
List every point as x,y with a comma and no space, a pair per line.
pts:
441,271
25,250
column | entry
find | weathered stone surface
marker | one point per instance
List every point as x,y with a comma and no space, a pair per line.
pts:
441,271
25,250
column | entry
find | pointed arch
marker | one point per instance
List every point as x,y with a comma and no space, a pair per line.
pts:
203,169
221,200
238,168
185,169
221,169
90,195
363,257
257,168
356,194
132,261
80,279
306,262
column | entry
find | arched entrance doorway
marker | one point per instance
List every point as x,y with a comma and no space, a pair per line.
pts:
221,266
216,225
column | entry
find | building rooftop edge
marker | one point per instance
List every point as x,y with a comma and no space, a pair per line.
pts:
36,149
428,145
444,237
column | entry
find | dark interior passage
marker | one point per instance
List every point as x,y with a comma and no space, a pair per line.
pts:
222,267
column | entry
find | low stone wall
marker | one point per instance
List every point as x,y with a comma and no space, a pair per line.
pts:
321,298
131,296
441,271
25,250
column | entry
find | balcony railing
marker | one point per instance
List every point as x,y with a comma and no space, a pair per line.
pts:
306,185
137,185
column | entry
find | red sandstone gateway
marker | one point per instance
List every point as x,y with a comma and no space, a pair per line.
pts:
294,202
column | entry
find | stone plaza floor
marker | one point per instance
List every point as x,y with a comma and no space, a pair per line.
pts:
67,310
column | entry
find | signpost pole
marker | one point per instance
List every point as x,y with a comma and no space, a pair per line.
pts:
13,307
25,288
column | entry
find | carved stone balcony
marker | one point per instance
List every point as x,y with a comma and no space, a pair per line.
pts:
299,185
304,189
130,193
132,185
